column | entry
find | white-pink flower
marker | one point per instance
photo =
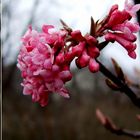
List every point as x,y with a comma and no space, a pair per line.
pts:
37,62
119,27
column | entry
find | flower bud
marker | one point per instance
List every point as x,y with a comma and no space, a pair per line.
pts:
60,59
78,49
83,60
93,65
132,54
93,51
77,36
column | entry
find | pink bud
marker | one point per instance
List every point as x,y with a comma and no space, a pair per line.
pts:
69,56
128,36
93,51
27,35
65,75
77,35
55,68
45,28
133,27
64,92
90,40
47,64
113,8
132,54
78,49
60,59
27,89
29,48
129,46
118,17
130,8
43,98
110,37
93,65
83,60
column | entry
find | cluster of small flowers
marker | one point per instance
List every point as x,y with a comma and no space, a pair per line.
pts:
45,61
86,51
37,62
45,57
118,27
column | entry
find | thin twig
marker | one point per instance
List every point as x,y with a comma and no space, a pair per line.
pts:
123,86
110,125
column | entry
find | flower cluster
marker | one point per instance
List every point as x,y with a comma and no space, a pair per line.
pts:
118,27
45,57
37,62
44,60
86,51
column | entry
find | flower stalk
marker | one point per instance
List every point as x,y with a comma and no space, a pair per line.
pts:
122,86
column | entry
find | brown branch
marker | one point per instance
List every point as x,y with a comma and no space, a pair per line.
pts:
123,86
109,125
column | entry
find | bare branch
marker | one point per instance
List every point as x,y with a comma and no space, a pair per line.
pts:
110,125
123,86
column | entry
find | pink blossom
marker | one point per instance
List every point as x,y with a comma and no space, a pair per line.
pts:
132,54
127,29
45,57
35,87
87,52
127,44
41,72
116,16
130,8
77,35
83,60
93,65
119,27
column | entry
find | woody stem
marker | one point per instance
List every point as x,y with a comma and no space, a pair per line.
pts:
123,86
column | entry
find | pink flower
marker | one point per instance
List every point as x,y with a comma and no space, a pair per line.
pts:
93,65
35,86
45,57
128,29
130,8
118,27
116,16
88,51
83,60
127,44
41,73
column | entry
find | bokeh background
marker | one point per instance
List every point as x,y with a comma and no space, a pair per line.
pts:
63,119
